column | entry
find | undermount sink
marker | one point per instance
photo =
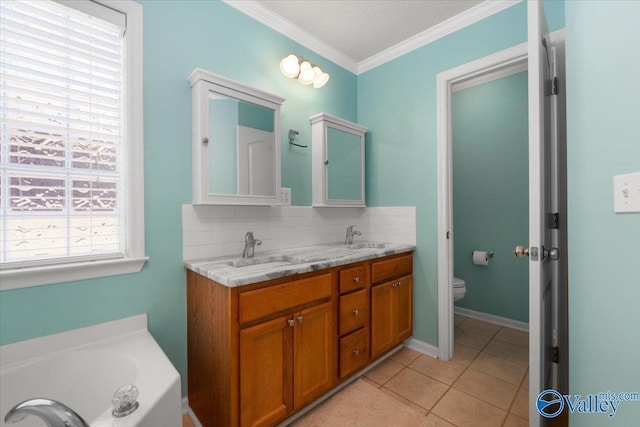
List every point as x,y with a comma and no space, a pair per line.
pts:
247,262
367,245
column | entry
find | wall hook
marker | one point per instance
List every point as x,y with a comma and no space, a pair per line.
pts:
292,136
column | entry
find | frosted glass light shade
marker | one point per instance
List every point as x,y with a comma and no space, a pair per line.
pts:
307,75
289,66
320,77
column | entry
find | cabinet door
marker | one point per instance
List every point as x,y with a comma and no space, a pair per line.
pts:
382,308
313,356
403,309
265,372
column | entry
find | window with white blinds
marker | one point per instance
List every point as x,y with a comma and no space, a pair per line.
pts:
63,156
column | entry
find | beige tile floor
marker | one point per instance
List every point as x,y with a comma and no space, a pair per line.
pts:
486,383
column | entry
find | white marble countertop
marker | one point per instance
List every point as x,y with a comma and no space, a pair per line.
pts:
238,271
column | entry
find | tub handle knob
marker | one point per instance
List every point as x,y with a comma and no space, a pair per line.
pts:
125,400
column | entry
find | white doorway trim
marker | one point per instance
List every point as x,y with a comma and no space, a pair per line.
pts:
515,56
510,58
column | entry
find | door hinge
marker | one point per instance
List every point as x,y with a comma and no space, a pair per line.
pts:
554,220
555,357
554,86
447,235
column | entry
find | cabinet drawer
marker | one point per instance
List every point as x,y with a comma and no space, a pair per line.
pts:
354,311
388,268
263,302
353,278
354,352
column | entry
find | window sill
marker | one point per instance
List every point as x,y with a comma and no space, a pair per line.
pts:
46,275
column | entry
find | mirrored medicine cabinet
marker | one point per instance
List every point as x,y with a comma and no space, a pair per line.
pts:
236,142
337,161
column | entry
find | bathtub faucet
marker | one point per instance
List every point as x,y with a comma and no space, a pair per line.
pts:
53,413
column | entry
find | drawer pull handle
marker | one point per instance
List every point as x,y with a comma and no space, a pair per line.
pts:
300,319
356,312
356,279
290,322
356,352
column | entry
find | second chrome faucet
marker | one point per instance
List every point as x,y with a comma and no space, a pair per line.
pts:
350,234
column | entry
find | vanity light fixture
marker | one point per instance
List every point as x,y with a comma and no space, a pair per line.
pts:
294,66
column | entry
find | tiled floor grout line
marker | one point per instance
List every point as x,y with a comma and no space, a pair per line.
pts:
467,366
450,386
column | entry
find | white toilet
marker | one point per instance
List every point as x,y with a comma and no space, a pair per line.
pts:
459,289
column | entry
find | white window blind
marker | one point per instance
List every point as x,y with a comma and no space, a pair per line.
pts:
62,157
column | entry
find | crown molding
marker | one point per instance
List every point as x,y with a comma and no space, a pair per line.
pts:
468,17
255,10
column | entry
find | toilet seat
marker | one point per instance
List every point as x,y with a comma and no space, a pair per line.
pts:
459,288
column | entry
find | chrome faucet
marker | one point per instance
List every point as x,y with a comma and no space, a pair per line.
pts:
249,245
52,412
350,233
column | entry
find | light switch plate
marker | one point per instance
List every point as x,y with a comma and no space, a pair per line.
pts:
626,193
285,196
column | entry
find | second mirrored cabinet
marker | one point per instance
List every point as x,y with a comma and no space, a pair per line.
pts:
337,161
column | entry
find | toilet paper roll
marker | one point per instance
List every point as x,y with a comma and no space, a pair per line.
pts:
481,257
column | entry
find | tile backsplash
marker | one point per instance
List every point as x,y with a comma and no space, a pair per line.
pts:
210,231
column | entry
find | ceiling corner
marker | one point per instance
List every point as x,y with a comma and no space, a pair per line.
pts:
255,10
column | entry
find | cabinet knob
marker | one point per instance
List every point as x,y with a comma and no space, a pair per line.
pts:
290,322
356,352
356,312
356,279
205,140
300,319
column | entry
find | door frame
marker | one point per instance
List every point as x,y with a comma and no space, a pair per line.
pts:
508,58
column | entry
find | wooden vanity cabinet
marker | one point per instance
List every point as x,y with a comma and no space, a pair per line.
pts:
353,318
258,353
285,363
391,303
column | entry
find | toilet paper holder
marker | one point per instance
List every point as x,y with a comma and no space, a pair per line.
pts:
490,253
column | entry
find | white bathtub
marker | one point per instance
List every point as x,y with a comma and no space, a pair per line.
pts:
84,367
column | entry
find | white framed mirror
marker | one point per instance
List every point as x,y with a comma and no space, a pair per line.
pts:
337,161
236,142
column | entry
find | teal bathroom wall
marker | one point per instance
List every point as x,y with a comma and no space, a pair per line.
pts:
603,140
179,36
491,194
255,116
397,102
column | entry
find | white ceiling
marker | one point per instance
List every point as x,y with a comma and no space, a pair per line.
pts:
361,29
361,34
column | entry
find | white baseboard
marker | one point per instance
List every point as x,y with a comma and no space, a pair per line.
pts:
187,410
194,419
422,347
502,321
